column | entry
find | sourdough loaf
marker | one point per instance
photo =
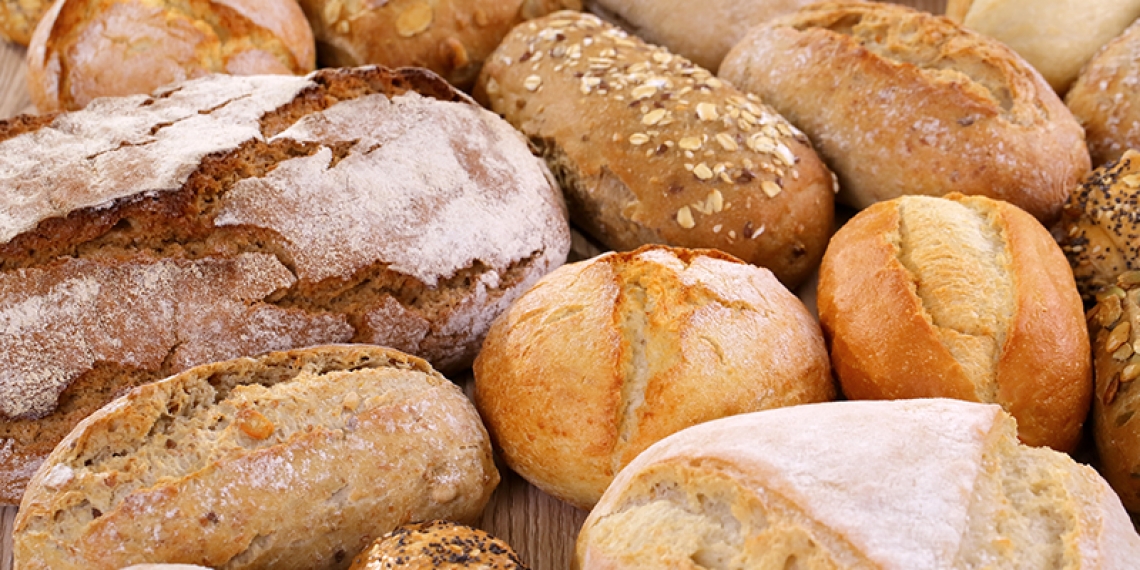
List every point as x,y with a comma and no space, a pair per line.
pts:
293,460
1105,99
438,545
234,215
869,485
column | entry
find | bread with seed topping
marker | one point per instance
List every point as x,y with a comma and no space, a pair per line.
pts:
650,148
441,545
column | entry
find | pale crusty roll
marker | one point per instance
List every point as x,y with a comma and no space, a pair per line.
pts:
1105,98
604,357
900,102
438,545
958,297
293,460
860,485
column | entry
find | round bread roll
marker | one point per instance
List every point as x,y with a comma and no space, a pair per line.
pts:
857,485
292,460
1105,98
439,545
19,17
449,37
604,357
1100,231
165,567
83,50
1057,37
900,102
958,297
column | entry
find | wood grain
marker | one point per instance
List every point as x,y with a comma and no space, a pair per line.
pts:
540,527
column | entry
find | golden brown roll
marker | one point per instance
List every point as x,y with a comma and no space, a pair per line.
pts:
958,297
19,17
1105,98
604,357
438,545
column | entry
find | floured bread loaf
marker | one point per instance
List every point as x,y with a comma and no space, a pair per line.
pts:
293,460
870,485
234,215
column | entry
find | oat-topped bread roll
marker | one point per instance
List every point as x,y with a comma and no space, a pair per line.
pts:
1100,229
19,17
958,297
604,357
233,215
868,485
449,37
900,102
83,49
292,460
652,149
438,545
1105,98
1057,37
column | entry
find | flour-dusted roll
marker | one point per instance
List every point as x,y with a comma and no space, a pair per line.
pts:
650,148
234,215
1105,99
438,545
868,485
290,460
901,102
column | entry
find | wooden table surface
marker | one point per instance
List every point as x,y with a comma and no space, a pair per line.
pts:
540,527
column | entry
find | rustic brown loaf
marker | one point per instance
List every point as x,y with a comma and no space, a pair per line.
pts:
604,357
868,485
19,17
651,149
438,545
958,297
1105,99
234,215
293,460
102,48
900,102
449,37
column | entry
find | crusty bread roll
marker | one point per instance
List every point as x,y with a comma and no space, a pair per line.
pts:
1105,98
449,37
1100,227
652,149
19,17
234,215
83,49
293,460
1057,37
165,567
870,485
958,297
900,102
438,545
700,31
604,357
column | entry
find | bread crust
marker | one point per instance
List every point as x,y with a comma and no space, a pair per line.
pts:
885,344
439,545
18,18
1104,98
940,109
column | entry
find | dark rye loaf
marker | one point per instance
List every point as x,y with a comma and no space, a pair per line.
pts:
231,216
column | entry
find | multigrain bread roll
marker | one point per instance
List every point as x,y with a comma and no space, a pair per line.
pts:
19,17
438,545
652,149
449,37
87,49
958,297
234,215
900,102
911,484
293,460
1105,99
1056,37
1100,227
165,567
604,357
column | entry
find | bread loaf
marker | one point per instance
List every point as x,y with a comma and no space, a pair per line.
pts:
438,545
291,460
652,149
900,102
958,297
874,485
83,50
234,215
604,357
19,17
1105,99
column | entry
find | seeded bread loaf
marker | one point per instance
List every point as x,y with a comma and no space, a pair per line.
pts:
960,297
652,149
292,460
438,545
860,485
234,215
901,102
1105,98
19,17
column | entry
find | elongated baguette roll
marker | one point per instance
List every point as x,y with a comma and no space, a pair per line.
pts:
290,460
